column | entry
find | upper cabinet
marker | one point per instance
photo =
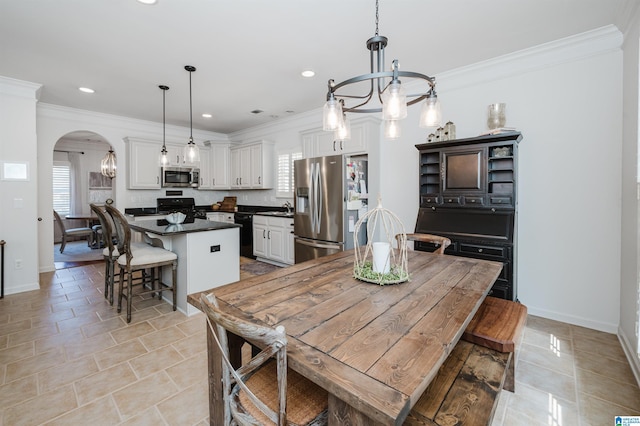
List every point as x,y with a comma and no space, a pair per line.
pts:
220,165
252,166
320,143
476,172
143,171
206,180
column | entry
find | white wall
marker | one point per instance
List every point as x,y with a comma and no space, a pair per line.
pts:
19,199
629,309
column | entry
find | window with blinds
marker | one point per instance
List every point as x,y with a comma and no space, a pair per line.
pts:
285,173
62,188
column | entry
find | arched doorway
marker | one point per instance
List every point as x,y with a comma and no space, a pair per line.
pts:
77,181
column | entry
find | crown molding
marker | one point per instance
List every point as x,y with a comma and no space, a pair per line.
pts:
19,88
591,43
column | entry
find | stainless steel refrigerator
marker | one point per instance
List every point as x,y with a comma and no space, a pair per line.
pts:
330,196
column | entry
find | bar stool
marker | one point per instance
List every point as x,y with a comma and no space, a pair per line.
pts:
135,258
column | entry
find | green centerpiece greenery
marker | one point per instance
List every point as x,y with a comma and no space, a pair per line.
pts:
366,273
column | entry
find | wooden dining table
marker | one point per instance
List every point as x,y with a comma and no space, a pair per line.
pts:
374,348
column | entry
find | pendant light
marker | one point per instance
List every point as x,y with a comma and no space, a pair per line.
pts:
108,164
385,92
191,151
164,155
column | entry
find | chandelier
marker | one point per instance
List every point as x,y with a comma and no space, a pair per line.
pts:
108,164
389,97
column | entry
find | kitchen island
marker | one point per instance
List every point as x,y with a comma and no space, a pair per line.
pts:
208,254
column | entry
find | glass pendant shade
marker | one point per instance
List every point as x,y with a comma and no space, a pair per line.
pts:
108,165
343,132
431,115
191,153
394,102
163,158
391,129
331,115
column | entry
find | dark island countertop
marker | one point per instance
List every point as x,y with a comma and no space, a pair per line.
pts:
159,227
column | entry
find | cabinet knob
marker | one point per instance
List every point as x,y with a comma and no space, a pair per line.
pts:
479,250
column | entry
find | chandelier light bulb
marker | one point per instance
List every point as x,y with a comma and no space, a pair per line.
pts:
431,115
343,132
391,129
394,102
331,115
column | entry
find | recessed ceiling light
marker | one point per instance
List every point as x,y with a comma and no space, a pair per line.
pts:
308,73
148,1
86,90
207,115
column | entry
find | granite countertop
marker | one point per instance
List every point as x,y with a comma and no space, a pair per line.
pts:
158,227
276,214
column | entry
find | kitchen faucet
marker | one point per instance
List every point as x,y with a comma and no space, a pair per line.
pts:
287,205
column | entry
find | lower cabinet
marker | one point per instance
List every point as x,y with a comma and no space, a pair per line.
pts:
221,217
504,286
273,239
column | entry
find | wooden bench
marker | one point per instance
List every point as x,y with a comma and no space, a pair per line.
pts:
466,389
498,325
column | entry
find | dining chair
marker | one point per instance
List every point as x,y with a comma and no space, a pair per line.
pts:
138,258
439,241
263,391
110,250
72,232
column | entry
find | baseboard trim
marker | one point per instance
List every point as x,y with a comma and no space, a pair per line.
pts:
630,352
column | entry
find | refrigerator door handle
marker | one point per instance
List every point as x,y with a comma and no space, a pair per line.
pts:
309,243
312,205
319,196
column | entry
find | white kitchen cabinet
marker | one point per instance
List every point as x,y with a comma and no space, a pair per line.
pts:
219,165
252,166
320,143
205,168
221,217
175,155
143,170
272,239
241,167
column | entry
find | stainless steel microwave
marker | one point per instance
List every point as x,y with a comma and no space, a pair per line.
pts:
180,177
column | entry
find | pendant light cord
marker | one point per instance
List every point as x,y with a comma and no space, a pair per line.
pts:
377,18
164,121
190,108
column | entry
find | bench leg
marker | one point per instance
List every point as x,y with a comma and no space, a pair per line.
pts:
510,379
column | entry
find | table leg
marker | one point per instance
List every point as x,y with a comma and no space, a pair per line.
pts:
341,413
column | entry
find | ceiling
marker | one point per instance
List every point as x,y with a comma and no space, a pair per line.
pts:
249,53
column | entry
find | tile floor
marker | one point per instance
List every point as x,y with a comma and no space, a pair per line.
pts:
67,358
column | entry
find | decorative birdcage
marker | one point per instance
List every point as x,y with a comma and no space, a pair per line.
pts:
380,262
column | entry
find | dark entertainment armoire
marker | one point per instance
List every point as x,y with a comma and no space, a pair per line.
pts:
468,193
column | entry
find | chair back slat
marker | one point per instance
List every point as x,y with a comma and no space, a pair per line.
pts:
273,341
107,228
123,232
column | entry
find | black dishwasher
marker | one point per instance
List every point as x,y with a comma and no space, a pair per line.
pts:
246,233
